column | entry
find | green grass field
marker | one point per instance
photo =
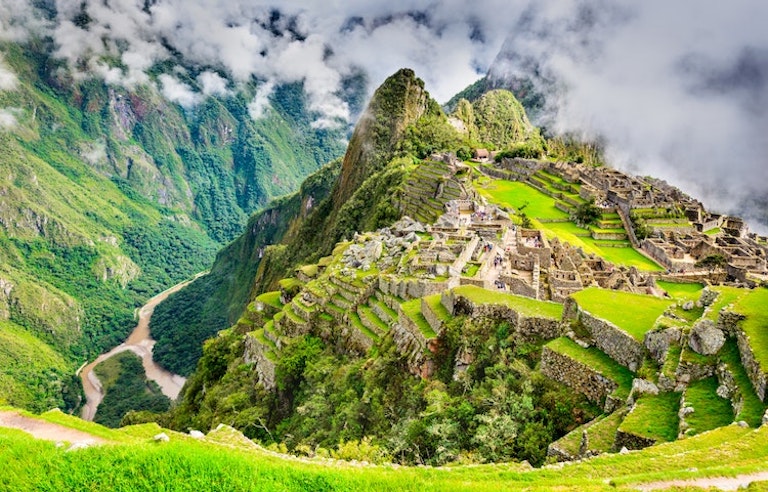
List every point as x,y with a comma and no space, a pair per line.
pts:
522,198
654,417
224,460
710,411
523,305
687,292
541,208
754,306
633,313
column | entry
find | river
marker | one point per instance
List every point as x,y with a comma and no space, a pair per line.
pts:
140,343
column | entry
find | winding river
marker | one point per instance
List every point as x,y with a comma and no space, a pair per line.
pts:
140,343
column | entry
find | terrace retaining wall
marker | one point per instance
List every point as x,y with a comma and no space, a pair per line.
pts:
577,376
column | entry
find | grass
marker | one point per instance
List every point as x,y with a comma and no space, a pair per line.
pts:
685,292
725,297
412,309
597,360
231,463
366,312
753,409
523,305
523,198
357,324
602,435
271,299
634,313
472,269
754,306
437,307
654,417
710,411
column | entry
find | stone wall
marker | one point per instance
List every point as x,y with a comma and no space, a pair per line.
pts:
414,288
432,318
756,374
577,376
255,353
632,441
526,328
614,341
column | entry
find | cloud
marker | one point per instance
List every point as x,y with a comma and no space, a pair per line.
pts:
258,106
213,84
178,92
8,79
674,93
675,90
447,42
8,119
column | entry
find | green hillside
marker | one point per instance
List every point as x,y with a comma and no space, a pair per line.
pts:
112,195
225,460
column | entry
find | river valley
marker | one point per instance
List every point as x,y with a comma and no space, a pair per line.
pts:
141,343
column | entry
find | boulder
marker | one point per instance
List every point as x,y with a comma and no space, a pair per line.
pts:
196,434
707,297
688,306
658,342
162,437
706,338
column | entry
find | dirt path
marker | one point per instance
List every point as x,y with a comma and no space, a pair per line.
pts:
722,483
140,343
47,430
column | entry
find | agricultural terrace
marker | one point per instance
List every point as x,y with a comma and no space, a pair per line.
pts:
754,306
596,359
540,208
523,305
680,291
633,313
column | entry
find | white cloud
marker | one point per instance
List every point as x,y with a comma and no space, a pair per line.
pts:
213,84
178,92
8,79
8,119
258,106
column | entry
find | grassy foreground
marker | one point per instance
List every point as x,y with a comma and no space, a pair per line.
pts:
224,460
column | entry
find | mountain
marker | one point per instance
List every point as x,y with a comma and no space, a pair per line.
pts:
428,310
113,193
400,124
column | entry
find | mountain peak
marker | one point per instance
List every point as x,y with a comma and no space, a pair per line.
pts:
397,103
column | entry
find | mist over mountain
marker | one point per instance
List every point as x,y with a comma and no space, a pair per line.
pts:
672,92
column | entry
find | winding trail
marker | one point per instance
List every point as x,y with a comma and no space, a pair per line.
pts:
141,343
49,431
721,483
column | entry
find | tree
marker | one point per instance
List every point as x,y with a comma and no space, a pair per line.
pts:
588,213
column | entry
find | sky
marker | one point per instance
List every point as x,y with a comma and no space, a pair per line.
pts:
675,89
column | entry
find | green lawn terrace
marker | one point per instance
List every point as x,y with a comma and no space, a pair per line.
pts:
616,321
587,370
608,240
752,336
224,459
432,184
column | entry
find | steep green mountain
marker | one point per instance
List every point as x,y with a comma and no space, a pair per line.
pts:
400,122
334,203
504,331
110,195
